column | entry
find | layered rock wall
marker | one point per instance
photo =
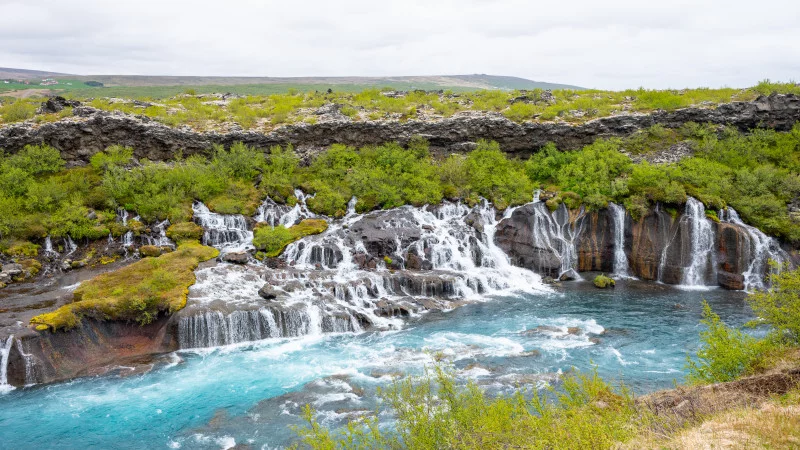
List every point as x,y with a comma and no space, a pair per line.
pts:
92,130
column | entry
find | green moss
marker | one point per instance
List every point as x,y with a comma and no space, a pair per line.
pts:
149,251
271,241
183,231
388,261
138,292
22,248
712,215
601,281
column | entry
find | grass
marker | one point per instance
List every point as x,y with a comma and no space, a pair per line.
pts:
137,293
273,240
263,107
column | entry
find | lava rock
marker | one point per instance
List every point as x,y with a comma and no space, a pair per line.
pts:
236,257
56,104
269,292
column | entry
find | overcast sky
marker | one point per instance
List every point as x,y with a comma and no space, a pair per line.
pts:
605,44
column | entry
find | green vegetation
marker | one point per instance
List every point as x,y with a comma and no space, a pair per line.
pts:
185,231
138,292
728,353
756,173
601,281
434,413
272,240
265,106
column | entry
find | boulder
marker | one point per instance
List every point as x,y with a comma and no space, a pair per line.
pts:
380,231
236,257
728,280
56,104
12,270
149,251
269,292
569,275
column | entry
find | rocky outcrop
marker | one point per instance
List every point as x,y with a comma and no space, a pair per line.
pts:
657,247
91,130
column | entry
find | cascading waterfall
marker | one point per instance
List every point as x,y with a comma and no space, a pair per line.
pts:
324,290
621,269
69,245
554,232
702,239
762,249
127,238
48,248
4,353
228,232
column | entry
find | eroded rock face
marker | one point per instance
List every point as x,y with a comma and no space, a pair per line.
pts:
90,131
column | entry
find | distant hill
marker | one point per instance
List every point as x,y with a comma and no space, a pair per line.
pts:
476,81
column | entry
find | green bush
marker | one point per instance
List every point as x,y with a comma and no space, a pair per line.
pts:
726,353
779,306
433,412
17,111
272,240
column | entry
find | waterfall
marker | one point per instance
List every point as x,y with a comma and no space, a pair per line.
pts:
4,353
48,248
30,374
275,214
69,245
762,249
620,258
228,232
554,232
702,239
326,285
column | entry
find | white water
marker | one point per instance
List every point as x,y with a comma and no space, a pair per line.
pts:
556,233
225,232
69,245
702,248
48,247
621,269
4,353
325,290
762,249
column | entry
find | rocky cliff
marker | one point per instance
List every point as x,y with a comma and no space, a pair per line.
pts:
91,130
680,247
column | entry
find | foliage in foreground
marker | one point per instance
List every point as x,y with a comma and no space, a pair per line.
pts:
138,292
433,412
728,353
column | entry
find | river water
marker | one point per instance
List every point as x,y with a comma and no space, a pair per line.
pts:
250,393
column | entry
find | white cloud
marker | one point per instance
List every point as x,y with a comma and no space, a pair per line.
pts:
614,44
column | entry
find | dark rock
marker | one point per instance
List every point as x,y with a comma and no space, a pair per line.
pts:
574,330
236,257
541,329
381,230
269,292
78,140
569,275
56,104
728,280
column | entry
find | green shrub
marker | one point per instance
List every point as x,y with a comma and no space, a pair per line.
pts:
272,240
726,353
185,231
779,306
17,111
433,412
602,281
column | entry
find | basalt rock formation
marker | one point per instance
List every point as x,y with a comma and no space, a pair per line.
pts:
681,247
90,131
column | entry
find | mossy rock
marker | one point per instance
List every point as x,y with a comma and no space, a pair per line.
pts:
603,282
136,227
185,231
149,251
273,240
22,248
138,292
